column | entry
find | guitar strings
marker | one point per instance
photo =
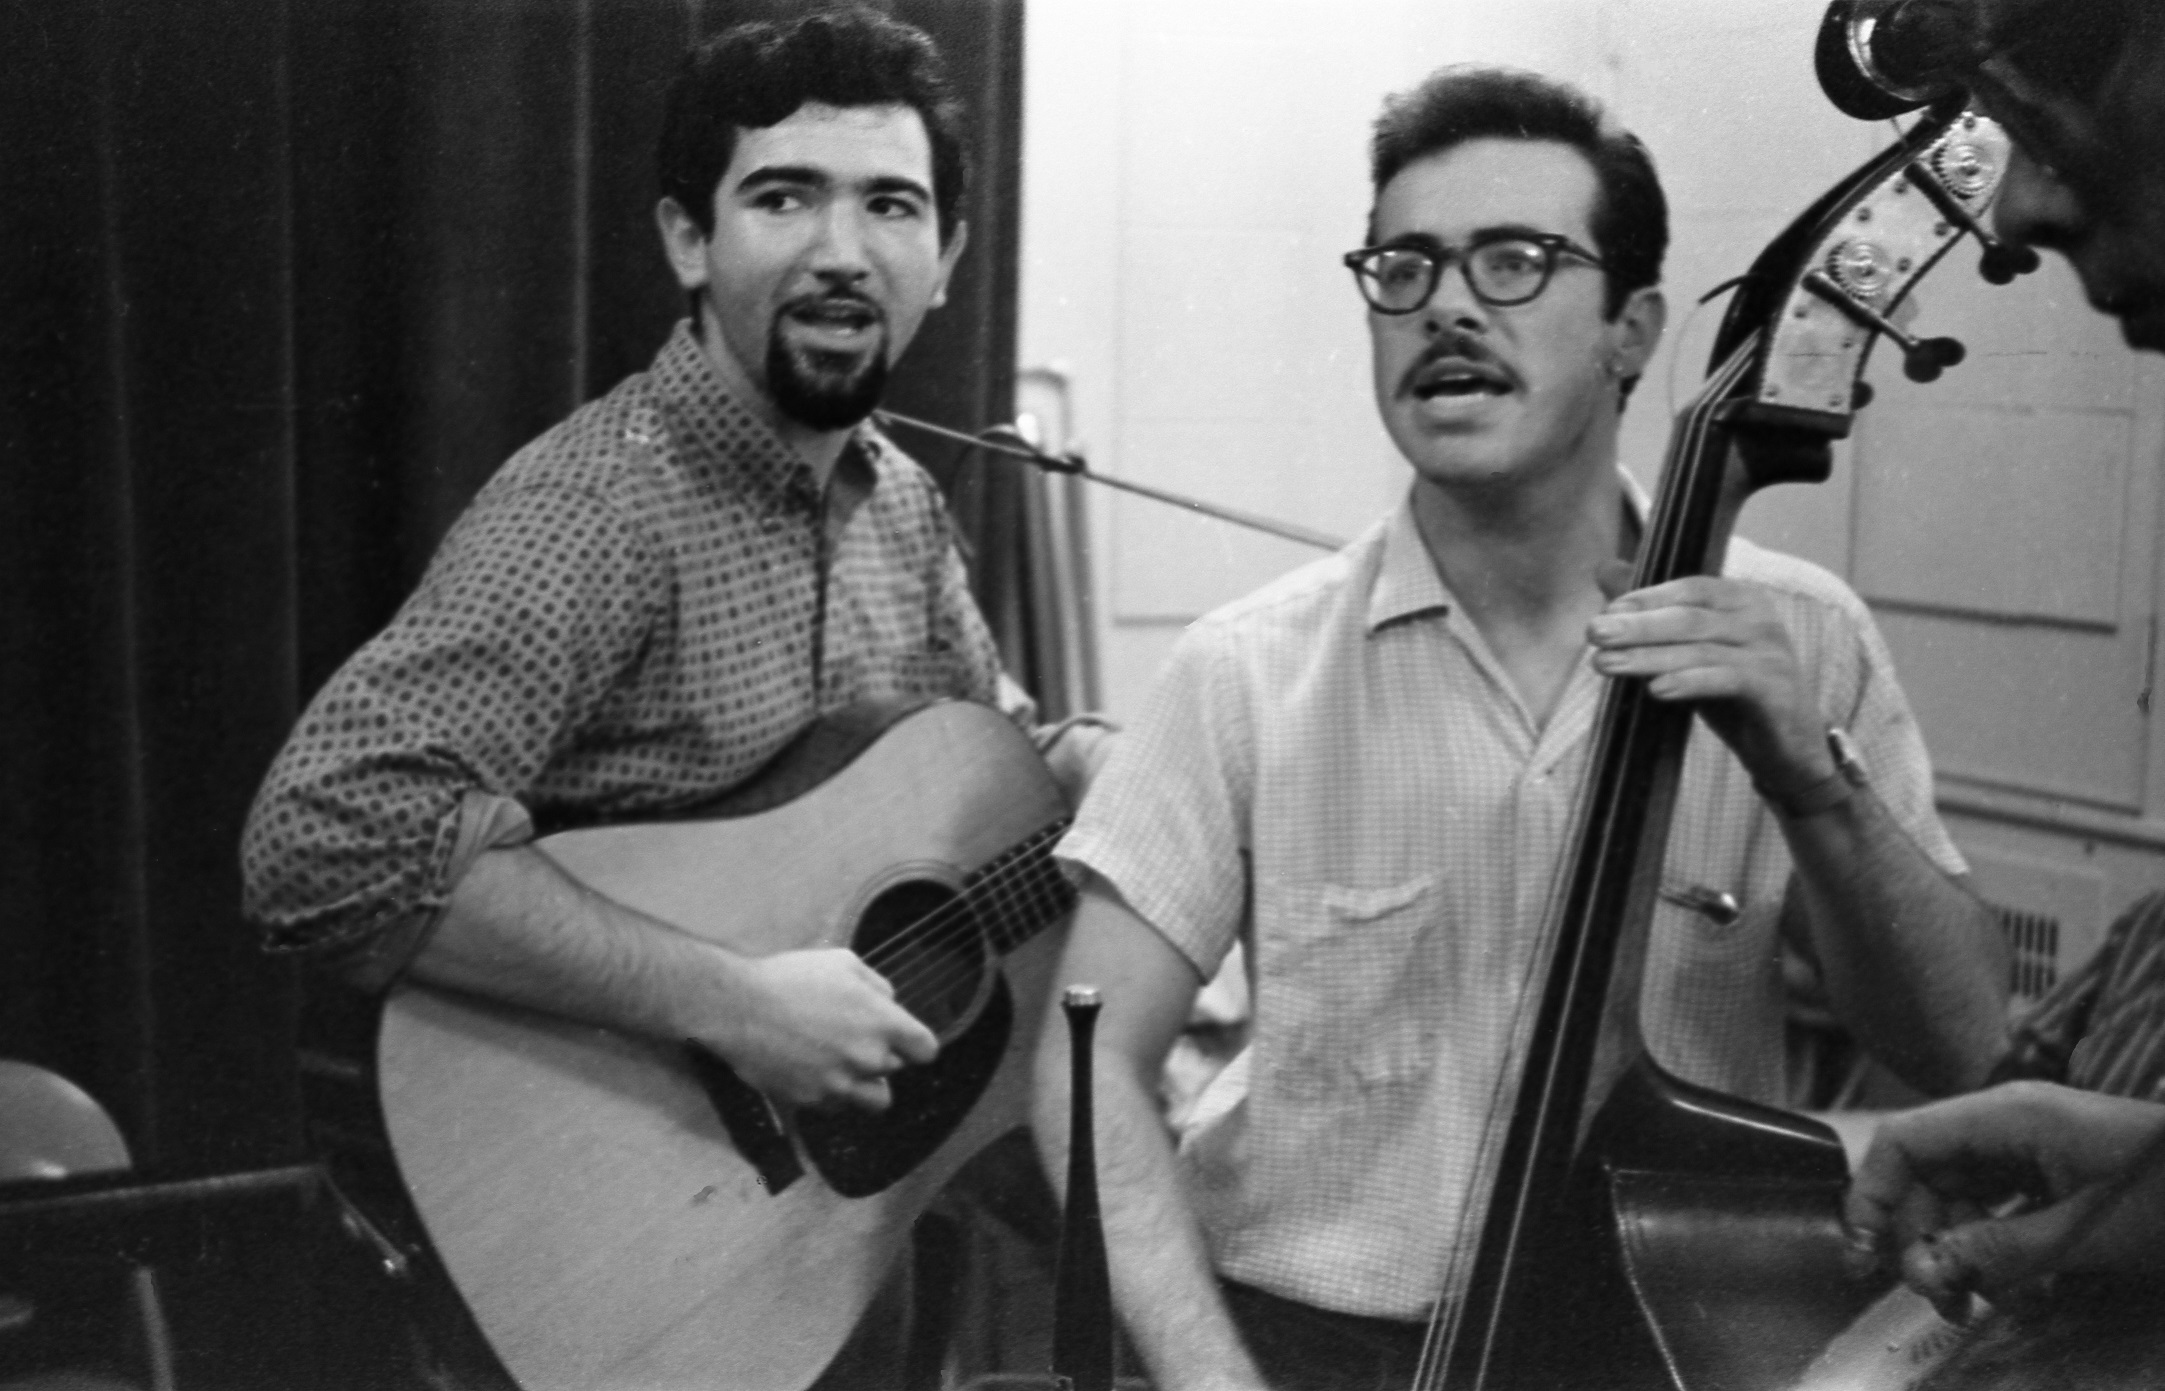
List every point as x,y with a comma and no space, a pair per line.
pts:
924,969
1024,877
953,918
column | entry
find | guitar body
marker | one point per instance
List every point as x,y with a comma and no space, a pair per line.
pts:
578,1185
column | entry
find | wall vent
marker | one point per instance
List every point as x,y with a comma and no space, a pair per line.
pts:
2033,941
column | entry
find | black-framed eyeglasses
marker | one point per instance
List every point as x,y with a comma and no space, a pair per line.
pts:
1502,270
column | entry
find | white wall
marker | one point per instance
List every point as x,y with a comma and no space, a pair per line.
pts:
1192,170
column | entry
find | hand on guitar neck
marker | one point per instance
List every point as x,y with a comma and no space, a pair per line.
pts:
810,1028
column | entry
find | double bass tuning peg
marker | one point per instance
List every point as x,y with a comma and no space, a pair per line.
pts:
2002,261
1923,359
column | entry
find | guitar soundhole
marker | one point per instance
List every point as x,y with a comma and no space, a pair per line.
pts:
923,938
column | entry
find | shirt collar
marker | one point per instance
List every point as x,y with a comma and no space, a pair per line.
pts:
717,431
1406,581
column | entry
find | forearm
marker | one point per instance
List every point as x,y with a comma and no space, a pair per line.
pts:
808,1027
518,928
1913,961
1163,1283
1162,1279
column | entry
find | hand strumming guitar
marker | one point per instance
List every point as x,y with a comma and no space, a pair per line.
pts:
817,1028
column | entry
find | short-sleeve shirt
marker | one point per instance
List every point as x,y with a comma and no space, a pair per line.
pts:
2102,1026
635,614
1337,773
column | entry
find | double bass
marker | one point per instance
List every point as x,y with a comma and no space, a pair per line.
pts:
1640,1231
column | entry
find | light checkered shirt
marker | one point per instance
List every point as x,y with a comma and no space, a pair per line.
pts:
1336,772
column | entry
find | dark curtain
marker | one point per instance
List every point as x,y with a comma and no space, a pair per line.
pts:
281,283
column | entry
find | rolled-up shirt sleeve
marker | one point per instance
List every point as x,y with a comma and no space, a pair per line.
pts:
1166,821
414,757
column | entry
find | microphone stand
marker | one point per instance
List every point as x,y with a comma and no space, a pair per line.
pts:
1082,1318
1085,1338
1007,442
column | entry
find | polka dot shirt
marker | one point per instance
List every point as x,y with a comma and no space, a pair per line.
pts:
638,610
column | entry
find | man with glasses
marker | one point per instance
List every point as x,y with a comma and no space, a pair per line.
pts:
1366,773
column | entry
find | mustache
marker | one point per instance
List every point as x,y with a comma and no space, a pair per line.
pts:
1451,342
836,298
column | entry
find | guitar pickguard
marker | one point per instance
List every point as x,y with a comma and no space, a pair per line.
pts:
860,1154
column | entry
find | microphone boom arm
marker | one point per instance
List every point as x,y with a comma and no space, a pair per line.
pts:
1003,440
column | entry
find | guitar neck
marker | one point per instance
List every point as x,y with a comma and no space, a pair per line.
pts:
1022,892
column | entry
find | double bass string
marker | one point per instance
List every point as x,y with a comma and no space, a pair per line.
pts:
1445,1320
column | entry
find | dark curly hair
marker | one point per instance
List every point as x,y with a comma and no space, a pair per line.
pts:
755,75
1462,103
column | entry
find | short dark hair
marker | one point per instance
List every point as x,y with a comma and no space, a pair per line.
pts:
2067,49
756,75
1461,103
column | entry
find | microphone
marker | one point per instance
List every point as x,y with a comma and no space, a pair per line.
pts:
1879,58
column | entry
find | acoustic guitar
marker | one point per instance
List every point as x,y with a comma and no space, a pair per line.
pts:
618,1213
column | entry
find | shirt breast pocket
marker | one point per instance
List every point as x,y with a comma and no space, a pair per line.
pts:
1345,985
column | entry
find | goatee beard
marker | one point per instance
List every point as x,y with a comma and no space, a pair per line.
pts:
824,390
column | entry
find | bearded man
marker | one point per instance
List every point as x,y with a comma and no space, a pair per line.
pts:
650,600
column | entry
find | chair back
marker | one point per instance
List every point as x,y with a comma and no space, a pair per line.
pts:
51,1128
